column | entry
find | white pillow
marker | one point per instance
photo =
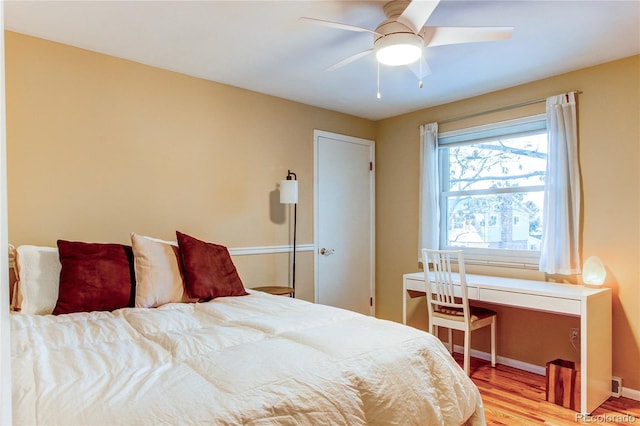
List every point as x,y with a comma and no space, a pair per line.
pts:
158,276
39,276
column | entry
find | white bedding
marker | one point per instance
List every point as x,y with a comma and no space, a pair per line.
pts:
257,359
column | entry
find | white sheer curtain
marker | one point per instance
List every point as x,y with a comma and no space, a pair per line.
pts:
559,253
429,234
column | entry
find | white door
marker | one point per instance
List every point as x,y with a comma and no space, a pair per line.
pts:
344,222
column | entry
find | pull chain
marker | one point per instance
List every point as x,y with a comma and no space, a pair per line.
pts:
378,95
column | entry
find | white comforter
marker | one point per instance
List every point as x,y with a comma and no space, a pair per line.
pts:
256,360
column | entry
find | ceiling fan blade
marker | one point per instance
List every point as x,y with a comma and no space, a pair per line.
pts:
417,14
337,25
349,60
420,68
439,36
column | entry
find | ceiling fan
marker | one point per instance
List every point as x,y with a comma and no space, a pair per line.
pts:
400,39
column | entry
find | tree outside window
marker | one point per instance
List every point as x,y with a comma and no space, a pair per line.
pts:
492,191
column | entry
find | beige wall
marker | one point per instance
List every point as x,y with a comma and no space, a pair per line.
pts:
609,131
99,147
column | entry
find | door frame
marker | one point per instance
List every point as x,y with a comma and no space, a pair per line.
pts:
317,134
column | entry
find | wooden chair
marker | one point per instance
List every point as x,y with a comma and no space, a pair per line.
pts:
448,303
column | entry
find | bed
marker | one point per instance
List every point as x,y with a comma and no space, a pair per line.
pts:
249,359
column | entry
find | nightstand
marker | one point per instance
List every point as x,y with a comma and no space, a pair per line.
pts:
277,290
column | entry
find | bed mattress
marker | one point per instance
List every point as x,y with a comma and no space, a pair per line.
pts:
251,360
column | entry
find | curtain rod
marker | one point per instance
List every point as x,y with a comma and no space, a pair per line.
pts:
500,109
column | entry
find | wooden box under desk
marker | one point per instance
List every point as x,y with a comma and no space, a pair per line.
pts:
591,305
563,383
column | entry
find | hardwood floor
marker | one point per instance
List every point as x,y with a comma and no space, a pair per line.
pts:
515,397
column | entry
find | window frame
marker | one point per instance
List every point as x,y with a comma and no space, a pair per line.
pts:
534,124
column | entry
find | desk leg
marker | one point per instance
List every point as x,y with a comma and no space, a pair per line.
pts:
595,351
404,301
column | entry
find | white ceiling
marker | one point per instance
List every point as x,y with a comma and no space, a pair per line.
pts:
262,46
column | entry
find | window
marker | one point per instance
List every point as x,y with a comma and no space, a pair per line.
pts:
492,188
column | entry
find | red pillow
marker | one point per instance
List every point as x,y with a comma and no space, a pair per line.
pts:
208,269
94,277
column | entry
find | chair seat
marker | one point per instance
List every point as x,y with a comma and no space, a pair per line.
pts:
456,314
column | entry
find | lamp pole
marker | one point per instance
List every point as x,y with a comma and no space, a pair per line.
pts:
291,197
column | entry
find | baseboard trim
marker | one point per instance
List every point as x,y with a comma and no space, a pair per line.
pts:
631,393
532,368
520,365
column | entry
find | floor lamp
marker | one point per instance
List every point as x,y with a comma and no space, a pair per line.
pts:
289,195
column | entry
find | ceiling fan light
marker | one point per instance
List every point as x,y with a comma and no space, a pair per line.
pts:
398,49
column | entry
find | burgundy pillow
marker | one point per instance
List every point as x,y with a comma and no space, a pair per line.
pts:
94,277
208,269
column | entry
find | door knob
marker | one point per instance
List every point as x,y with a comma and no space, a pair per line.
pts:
326,252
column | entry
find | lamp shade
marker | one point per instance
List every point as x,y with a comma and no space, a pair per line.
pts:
289,191
593,271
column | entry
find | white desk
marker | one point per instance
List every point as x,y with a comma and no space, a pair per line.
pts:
591,305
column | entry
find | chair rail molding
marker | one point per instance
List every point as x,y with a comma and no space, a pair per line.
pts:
288,248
